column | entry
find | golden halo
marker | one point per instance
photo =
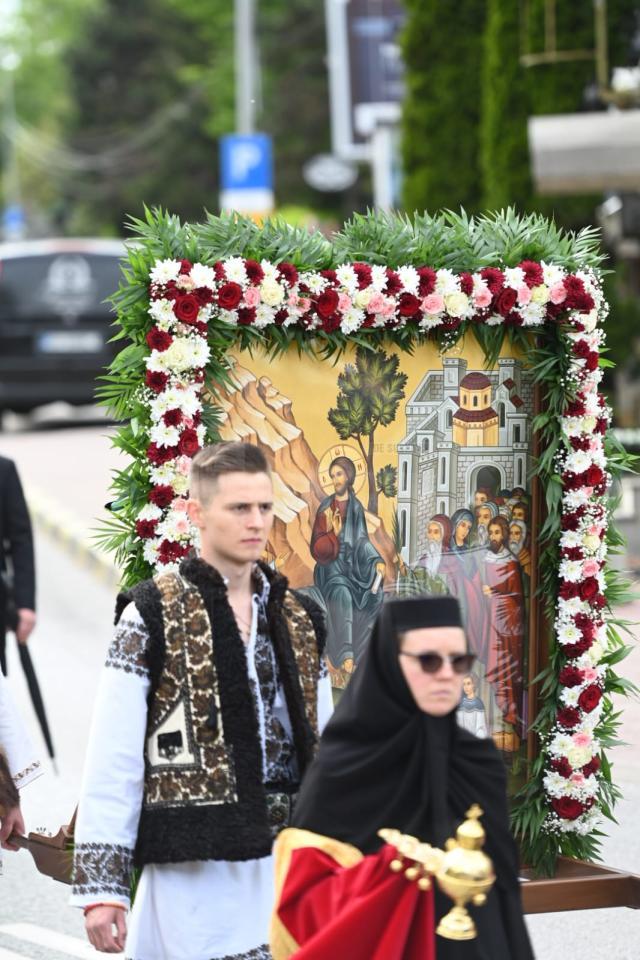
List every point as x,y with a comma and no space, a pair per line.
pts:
342,450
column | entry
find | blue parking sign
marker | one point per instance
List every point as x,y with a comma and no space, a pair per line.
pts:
246,173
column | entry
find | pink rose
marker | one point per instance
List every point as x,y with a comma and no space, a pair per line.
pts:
595,529
524,295
558,292
434,303
179,505
590,674
482,297
376,303
595,445
581,739
252,297
183,466
182,525
388,307
304,303
590,568
344,302
588,491
577,779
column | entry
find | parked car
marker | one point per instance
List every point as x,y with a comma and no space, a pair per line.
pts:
54,323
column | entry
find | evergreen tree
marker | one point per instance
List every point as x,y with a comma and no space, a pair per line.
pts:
441,112
505,108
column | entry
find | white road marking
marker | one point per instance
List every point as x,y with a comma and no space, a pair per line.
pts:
44,937
10,955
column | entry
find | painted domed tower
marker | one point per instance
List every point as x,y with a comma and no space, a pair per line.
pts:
475,422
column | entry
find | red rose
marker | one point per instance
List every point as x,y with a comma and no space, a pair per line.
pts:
568,717
466,283
186,308
592,767
246,316
567,807
363,273
506,301
590,698
533,275
162,495
327,304
156,380
594,476
158,339
173,418
589,589
146,528
408,305
562,766
289,272
254,271
189,443
229,296
428,279
494,278
394,283
570,676
170,551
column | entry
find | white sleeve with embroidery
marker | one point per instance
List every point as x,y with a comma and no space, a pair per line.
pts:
111,794
325,700
15,742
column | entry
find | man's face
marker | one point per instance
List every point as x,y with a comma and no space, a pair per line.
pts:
515,533
518,513
434,532
496,539
340,480
483,516
236,520
479,498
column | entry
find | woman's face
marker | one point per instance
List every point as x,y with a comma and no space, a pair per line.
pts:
435,693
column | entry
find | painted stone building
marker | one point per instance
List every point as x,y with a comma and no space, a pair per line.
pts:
465,430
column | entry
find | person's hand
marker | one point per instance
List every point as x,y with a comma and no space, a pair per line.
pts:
10,822
381,568
99,924
337,523
26,623
486,589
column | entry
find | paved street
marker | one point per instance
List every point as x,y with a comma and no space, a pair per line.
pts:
69,470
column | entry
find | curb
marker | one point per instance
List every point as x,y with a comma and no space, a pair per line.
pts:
62,527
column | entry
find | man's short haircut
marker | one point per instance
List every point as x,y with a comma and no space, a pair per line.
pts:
346,464
219,458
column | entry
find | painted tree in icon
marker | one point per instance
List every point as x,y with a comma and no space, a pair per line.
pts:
369,393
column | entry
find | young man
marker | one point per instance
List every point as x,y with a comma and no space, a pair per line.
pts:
209,710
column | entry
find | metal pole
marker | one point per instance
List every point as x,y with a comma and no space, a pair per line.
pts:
245,65
602,44
382,166
12,194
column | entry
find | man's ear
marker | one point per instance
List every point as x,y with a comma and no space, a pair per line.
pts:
194,512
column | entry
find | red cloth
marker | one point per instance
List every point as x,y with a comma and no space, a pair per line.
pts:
363,912
325,546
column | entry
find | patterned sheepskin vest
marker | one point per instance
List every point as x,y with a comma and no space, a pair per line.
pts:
204,796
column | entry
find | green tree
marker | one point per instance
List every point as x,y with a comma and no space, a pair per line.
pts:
441,111
387,481
504,150
370,391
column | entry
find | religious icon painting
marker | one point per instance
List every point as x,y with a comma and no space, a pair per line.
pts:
402,473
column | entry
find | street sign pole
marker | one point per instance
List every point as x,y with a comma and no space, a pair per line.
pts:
245,65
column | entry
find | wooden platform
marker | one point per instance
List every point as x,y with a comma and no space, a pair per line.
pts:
579,886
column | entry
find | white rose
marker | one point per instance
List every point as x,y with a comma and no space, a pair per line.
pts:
591,542
578,756
540,294
271,292
363,297
457,304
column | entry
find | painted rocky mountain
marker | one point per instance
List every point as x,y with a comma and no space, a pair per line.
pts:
255,411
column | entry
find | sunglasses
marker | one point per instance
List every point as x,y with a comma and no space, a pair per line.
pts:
432,662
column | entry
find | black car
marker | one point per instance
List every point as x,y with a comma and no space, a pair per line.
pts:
54,324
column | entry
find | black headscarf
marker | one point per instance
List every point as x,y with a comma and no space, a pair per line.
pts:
383,762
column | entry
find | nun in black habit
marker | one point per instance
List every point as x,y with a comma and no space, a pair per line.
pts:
393,756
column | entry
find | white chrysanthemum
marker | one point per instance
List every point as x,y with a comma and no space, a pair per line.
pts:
201,431
352,320
560,745
571,570
533,314
410,279
186,353
205,313
592,404
554,784
378,277
428,321
315,282
569,608
347,278
574,499
551,273
571,539
203,276
569,696
163,435
162,312
447,282
228,316
150,550
159,406
514,277
264,315
150,511
235,270
164,271
568,633
494,320
165,474
479,285
270,270
571,426
578,461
